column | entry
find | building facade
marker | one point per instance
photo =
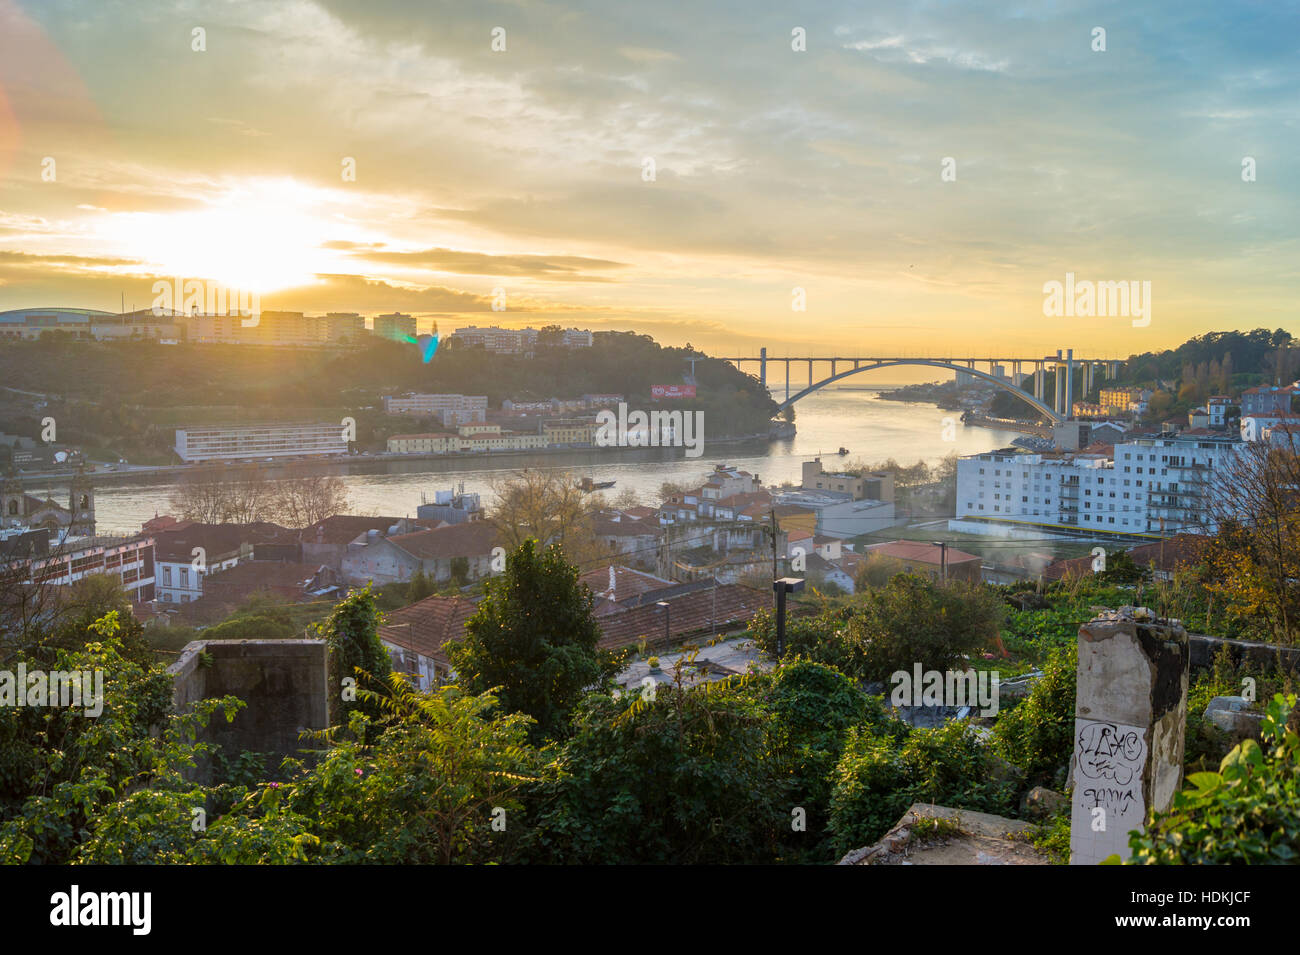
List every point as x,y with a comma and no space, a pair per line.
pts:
251,442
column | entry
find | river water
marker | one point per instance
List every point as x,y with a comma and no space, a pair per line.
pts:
871,428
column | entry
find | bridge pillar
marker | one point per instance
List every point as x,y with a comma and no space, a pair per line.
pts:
1040,378
810,372
787,379
762,367
1069,383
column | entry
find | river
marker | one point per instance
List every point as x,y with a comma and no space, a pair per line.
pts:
871,428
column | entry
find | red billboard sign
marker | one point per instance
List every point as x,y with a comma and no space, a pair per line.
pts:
672,391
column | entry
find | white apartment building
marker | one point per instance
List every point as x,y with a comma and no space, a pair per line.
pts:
1157,486
251,442
512,341
451,410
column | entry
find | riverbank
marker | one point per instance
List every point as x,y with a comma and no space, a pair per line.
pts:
383,463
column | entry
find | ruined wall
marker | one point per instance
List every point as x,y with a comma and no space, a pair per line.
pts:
283,682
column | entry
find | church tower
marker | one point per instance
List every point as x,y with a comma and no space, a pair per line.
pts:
13,503
81,505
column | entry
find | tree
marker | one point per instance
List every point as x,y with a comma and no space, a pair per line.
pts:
419,586
442,772
305,497
352,635
1254,560
235,495
680,778
912,620
534,640
550,508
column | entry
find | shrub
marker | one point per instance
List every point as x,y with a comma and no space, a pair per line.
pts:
1038,734
1247,812
881,774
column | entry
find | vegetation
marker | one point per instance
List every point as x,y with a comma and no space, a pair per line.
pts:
1247,812
533,640
263,383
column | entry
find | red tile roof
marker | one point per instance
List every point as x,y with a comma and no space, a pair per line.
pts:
920,552
427,624
471,539
437,619
1166,556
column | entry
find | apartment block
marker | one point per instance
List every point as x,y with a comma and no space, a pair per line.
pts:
395,327
251,442
1157,486
451,410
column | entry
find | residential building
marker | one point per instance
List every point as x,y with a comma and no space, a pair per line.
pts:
838,514
1216,408
1256,427
30,554
254,441
928,560
381,560
395,327
1145,486
1268,399
1122,402
185,556
875,486
325,543
570,432
450,410
414,637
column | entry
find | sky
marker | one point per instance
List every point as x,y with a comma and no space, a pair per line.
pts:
830,178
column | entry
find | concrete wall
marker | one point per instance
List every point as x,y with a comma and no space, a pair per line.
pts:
283,682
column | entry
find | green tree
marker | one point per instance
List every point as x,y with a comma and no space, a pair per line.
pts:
1037,734
912,620
419,586
352,634
680,778
882,772
534,640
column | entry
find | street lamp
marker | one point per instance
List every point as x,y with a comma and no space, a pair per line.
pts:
668,634
783,586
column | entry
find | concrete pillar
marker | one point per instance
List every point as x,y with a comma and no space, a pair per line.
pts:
762,366
1069,383
1130,713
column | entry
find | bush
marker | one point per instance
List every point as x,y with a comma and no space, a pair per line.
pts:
912,620
881,774
1247,812
1038,734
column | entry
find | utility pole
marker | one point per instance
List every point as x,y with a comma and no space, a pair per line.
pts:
943,560
772,513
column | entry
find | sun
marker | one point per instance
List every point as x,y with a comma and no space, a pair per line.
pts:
257,237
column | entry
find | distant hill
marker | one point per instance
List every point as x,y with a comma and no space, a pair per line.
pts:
126,398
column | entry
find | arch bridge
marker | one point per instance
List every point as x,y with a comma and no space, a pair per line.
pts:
1006,373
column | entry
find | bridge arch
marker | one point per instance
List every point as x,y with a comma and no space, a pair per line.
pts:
1002,383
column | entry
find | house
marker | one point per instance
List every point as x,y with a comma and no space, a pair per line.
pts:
414,637
440,553
928,560
231,587
697,610
630,540
326,542
190,551
1162,559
